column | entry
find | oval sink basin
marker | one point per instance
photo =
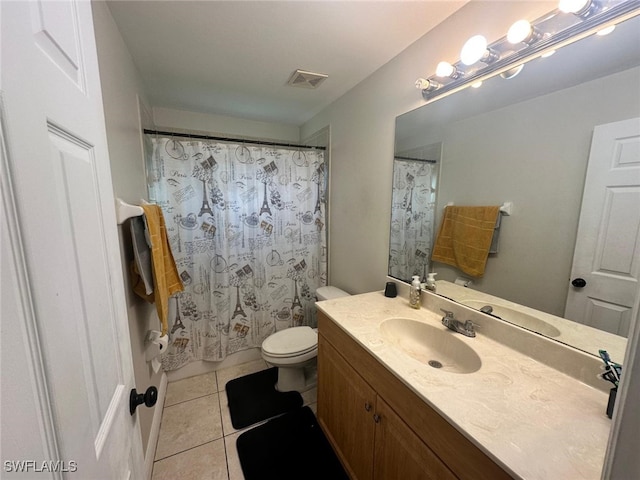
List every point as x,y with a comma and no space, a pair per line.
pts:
519,318
436,347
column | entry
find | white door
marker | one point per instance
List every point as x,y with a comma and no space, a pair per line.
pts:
607,253
67,370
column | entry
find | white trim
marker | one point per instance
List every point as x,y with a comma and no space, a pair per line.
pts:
27,321
152,443
107,422
625,412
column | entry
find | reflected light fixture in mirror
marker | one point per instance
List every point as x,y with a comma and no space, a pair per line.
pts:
606,31
571,21
512,72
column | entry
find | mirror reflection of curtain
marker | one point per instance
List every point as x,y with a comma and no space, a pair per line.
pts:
412,216
247,229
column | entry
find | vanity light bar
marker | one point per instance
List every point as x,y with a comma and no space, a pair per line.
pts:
547,33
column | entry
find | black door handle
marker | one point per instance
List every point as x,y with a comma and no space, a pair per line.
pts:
579,282
149,398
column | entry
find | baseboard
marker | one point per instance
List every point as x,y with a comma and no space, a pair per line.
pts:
201,367
152,443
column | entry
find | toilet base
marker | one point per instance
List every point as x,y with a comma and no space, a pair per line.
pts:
300,378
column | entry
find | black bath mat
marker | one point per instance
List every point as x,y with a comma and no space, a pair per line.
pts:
289,447
254,398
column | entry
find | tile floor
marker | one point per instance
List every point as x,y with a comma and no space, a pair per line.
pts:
197,440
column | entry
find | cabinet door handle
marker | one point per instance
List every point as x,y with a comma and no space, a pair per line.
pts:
367,406
376,418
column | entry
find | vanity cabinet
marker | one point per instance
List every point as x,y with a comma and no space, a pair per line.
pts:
381,429
346,405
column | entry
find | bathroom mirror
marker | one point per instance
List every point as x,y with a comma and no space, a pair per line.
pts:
527,140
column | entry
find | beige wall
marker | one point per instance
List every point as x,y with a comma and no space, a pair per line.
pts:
362,138
181,120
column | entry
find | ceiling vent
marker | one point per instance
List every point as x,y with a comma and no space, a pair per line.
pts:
304,79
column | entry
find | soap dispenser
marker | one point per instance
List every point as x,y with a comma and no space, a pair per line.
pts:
431,282
414,292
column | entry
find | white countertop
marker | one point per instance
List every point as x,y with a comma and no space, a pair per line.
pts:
534,421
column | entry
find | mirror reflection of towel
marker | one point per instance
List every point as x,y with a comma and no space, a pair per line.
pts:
166,280
465,237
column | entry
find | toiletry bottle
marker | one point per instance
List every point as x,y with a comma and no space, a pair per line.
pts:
431,282
414,292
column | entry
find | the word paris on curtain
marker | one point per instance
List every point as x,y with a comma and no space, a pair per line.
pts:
247,229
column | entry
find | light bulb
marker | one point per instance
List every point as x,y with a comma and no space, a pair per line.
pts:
522,32
476,84
427,84
422,83
473,50
445,69
547,54
580,8
572,6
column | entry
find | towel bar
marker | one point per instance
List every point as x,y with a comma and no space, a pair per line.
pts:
125,211
505,208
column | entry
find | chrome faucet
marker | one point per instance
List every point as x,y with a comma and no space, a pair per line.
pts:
466,328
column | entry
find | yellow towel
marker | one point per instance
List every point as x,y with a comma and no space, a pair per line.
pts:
165,273
464,238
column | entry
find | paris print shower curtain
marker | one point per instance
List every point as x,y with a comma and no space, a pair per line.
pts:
247,229
412,217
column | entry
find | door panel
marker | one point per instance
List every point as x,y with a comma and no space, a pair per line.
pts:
55,29
400,454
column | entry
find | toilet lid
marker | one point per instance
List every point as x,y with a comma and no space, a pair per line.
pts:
291,341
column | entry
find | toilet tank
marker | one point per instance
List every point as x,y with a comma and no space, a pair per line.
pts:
328,292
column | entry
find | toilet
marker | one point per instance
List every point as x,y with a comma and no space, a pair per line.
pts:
294,351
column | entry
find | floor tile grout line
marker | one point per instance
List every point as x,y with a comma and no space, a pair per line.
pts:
187,449
188,400
195,446
223,437
224,443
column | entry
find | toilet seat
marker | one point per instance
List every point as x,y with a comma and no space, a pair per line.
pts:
291,342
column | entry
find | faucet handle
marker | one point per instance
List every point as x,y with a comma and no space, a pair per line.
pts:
470,328
447,313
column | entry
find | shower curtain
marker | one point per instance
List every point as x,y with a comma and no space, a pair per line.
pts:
247,229
412,216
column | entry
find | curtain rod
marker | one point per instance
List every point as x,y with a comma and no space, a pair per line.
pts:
227,139
416,159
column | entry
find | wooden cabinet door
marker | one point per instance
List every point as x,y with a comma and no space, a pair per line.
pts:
399,453
346,404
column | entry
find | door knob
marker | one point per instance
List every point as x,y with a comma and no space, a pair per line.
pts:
149,398
579,282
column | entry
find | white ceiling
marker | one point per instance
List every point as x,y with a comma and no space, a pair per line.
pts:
235,57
